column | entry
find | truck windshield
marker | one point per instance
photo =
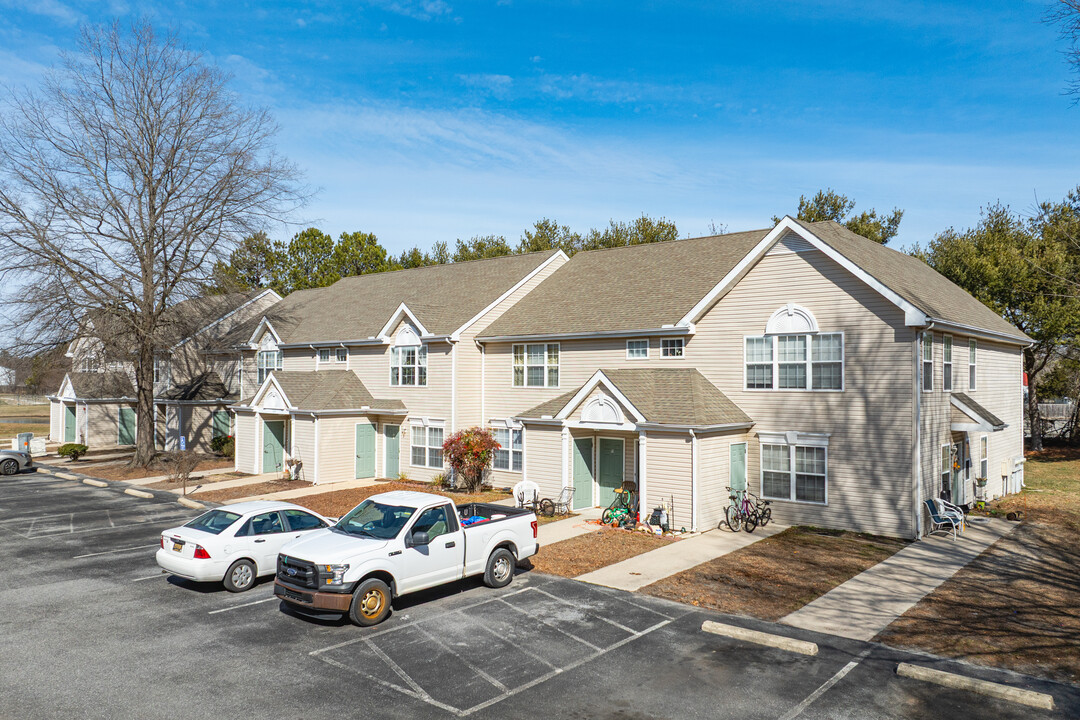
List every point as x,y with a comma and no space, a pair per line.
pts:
373,519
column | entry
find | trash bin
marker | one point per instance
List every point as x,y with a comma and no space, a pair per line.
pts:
23,440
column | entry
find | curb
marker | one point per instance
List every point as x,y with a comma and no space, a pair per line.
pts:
65,476
139,493
95,483
190,503
761,638
983,687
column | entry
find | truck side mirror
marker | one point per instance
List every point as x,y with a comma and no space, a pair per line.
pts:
419,537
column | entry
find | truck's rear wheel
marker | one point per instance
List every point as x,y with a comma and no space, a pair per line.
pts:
370,603
500,568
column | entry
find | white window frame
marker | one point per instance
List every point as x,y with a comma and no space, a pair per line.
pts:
420,428
547,366
319,356
926,348
801,441
509,450
341,355
637,343
776,363
420,379
263,366
984,456
667,344
945,467
946,363
973,349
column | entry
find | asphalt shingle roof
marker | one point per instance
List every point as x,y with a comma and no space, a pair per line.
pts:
330,390
205,387
443,298
101,385
669,396
990,418
644,287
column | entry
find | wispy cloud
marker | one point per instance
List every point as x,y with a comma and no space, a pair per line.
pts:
416,9
495,84
48,8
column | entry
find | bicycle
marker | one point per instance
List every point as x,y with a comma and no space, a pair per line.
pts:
742,515
623,509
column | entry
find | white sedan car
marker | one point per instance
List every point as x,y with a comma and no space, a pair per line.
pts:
235,544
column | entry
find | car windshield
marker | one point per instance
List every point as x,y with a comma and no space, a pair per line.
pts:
214,521
373,519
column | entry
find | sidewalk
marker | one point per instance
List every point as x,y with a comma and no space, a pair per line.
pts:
301,492
641,570
559,530
867,603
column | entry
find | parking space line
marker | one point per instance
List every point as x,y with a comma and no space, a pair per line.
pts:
397,670
519,648
109,552
797,710
463,661
50,535
550,624
149,577
423,696
600,617
236,607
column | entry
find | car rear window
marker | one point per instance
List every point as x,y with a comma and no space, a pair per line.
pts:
214,521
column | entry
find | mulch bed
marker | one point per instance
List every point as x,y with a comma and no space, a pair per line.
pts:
158,467
336,503
196,482
778,575
541,519
1017,605
592,551
262,488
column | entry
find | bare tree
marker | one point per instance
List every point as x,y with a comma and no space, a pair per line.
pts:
1066,15
123,177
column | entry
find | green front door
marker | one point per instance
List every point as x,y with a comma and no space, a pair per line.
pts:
221,425
69,423
393,449
737,474
610,475
583,473
273,446
365,450
127,427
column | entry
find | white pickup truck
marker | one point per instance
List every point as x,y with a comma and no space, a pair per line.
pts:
397,543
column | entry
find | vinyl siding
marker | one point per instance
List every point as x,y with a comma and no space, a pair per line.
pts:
56,421
714,476
298,359
103,424
250,382
246,434
668,476
337,448
543,458
303,446
598,392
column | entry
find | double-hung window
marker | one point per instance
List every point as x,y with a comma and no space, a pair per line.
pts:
426,446
971,366
927,361
984,463
795,362
510,455
671,347
794,472
946,465
268,361
333,355
946,363
536,365
408,366
637,349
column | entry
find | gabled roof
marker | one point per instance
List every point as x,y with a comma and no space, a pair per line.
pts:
100,385
324,390
970,415
671,284
205,387
443,298
664,396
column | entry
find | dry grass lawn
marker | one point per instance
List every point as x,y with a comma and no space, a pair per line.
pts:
10,430
160,466
778,575
1017,605
243,491
41,411
336,503
592,551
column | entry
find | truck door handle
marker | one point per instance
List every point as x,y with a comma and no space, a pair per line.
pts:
451,544
395,552
261,540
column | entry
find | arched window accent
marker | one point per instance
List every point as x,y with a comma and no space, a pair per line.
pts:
408,359
269,358
602,409
791,319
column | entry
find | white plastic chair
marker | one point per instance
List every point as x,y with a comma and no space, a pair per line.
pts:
526,494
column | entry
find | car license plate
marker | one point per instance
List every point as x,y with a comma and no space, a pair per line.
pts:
178,547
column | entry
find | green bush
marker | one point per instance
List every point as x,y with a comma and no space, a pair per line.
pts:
71,450
224,445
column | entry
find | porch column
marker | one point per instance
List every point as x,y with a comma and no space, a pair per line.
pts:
643,506
565,456
693,480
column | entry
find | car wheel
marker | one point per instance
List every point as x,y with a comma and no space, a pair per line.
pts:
370,603
500,568
9,467
240,576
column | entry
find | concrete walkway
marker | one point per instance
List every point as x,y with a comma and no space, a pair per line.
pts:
560,530
305,491
866,604
641,570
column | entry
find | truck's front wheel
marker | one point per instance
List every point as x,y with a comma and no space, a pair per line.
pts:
500,568
370,603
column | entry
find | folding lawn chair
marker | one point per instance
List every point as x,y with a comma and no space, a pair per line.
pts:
940,522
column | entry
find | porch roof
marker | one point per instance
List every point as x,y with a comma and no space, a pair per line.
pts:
665,396
205,387
970,415
101,385
329,390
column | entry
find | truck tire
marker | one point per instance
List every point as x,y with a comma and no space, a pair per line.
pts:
370,603
240,576
500,568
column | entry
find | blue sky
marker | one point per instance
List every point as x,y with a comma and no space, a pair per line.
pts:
425,120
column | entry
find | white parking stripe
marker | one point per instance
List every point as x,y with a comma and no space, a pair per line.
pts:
108,552
797,710
150,577
234,607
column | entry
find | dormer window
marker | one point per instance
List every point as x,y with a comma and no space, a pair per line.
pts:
269,358
408,359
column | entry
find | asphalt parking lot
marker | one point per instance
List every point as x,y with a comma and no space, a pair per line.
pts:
90,628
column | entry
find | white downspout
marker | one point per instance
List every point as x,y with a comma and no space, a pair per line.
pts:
643,506
565,456
693,480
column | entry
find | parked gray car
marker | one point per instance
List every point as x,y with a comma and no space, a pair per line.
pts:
12,461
